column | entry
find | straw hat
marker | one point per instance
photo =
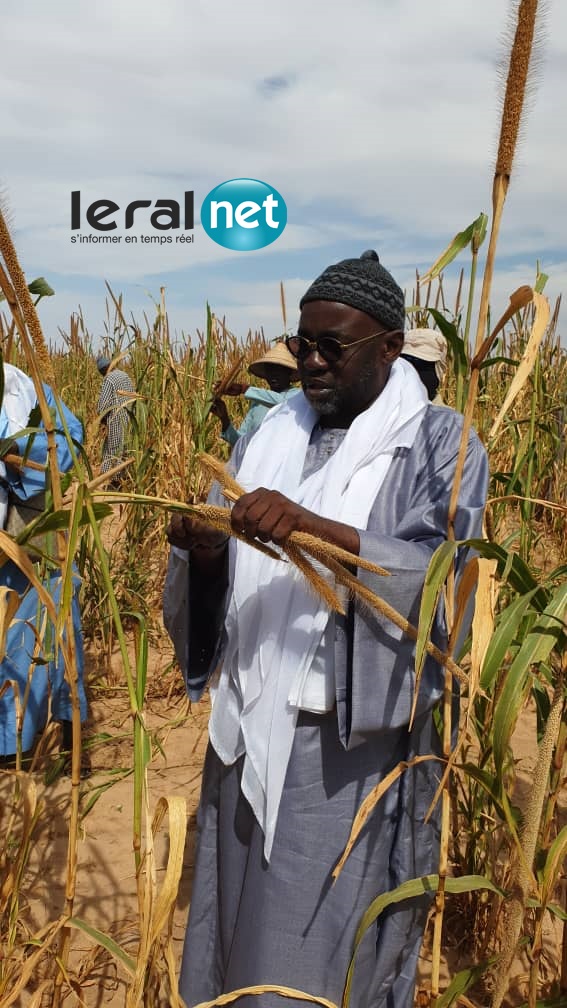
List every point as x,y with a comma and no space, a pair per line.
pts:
278,354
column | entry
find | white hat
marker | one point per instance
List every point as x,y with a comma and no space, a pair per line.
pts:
427,345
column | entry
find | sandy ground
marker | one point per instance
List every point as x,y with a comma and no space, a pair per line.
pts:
106,889
105,895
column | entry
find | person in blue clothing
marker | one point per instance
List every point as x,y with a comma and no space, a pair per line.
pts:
31,660
279,369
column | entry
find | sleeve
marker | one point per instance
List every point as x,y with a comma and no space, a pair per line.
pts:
30,482
230,435
253,419
266,397
249,425
175,602
194,607
375,679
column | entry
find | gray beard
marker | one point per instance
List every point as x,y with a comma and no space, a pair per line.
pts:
329,408
335,403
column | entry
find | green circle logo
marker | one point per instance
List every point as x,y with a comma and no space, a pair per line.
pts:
244,214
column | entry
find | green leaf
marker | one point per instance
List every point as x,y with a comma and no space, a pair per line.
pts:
57,521
476,230
488,782
479,232
461,983
498,360
68,572
410,890
97,792
553,865
545,634
557,911
541,697
141,659
108,943
34,419
541,281
557,1002
449,331
40,288
437,571
557,574
552,908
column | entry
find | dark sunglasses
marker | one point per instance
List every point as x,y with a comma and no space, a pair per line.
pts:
328,347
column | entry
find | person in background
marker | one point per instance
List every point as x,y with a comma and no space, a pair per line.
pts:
112,407
22,498
426,349
278,368
311,709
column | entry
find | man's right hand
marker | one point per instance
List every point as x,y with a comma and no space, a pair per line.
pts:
219,410
234,389
187,532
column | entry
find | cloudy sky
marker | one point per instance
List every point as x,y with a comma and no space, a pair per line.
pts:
377,121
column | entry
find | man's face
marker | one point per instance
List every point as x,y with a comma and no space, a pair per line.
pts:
278,376
339,391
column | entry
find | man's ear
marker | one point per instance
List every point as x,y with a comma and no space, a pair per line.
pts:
393,346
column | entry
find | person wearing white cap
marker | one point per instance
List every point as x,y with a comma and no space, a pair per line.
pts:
278,368
426,349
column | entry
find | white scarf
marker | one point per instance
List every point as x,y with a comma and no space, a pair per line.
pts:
19,399
275,623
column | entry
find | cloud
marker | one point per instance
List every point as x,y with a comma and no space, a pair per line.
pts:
377,121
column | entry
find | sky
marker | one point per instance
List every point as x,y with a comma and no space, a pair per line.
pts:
376,120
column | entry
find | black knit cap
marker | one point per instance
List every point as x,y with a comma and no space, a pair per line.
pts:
364,284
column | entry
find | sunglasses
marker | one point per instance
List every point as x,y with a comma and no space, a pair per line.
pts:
328,347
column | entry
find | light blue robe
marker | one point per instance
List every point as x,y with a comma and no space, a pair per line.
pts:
47,676
262,401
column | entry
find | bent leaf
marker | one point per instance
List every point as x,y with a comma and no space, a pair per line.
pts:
286,992
483,619
435,577
105,941
476,231
411,889
370,803
528,360
9,604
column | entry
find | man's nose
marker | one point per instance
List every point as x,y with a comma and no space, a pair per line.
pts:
314,361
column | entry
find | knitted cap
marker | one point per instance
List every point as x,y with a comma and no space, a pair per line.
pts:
364,284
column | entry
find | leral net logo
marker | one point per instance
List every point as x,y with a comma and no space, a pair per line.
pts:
243,214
